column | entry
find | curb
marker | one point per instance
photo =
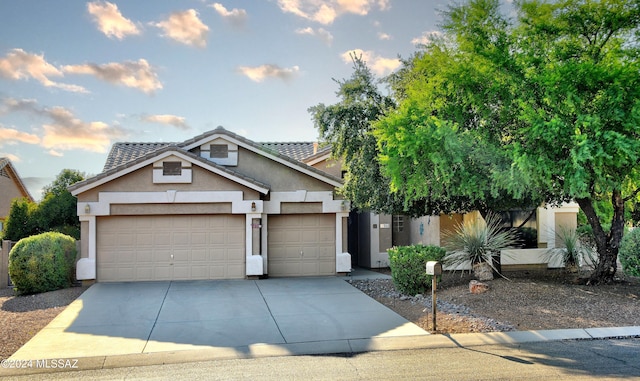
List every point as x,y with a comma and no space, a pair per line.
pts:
335,347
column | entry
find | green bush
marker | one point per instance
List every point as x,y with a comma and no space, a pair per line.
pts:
629,253
43,262
408,267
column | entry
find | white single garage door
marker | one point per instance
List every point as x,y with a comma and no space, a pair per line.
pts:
302,245
139,248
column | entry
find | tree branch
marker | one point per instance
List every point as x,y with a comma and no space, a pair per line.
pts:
632,195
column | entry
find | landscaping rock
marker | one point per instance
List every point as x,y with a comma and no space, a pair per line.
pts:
476,287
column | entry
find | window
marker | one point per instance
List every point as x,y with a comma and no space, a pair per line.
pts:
219,151
171,168
398,223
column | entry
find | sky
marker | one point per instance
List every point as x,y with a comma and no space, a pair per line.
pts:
78,76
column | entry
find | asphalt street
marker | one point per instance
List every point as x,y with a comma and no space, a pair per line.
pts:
555,360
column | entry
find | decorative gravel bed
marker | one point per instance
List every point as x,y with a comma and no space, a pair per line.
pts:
527,301
21,317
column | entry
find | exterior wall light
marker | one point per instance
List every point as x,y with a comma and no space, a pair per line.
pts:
253,206
87,208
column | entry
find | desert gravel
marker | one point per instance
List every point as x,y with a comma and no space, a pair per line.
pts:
21,317
527,301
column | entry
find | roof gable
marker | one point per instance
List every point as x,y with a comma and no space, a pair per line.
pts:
7,169
261,150
160,154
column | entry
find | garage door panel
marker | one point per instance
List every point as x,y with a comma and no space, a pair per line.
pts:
327,267
140,247
142,273
301,245
198,238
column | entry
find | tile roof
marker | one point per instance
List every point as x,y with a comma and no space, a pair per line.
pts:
125,155
122,153
295,150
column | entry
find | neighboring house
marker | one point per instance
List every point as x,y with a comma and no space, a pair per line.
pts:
11,187
217,206
371,234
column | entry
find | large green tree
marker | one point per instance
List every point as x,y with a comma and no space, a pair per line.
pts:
346,126
58,209
546,104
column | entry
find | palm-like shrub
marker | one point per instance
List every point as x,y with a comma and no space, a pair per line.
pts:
476,242
574,251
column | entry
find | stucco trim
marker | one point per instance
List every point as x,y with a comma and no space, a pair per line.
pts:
329,205
102,207
317,158
343,258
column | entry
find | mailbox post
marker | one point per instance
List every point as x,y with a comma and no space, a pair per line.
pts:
434,269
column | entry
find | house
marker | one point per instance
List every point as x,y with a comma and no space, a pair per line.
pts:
370,235
11,187
217,206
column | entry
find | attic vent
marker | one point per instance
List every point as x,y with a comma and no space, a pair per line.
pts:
171,168
219,151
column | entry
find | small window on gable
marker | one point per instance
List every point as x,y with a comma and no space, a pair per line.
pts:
171,168
219,151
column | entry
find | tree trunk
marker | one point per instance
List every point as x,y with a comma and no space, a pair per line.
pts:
607,244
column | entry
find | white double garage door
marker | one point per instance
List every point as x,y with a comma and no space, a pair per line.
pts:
185,247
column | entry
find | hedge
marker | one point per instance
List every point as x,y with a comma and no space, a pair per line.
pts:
408,267
43,262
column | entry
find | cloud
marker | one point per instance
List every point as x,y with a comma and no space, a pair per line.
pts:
62,131
259,73
136,74
237,17
13,136
426,38
379,65
110,21
18,64
11,157
383,36
321,33
186,28
172,120
326,11
55,153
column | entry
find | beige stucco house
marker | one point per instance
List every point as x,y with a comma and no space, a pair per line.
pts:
217,206
11,187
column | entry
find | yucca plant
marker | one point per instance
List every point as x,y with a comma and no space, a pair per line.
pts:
574,252
476,242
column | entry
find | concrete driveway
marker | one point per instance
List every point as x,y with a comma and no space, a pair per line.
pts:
301,315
